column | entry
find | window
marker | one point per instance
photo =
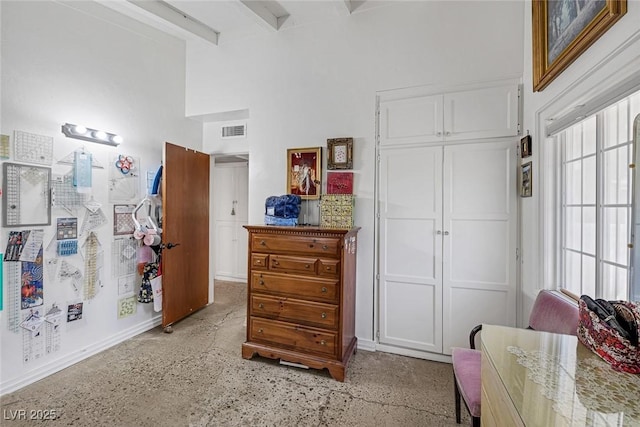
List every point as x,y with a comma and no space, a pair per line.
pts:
595,201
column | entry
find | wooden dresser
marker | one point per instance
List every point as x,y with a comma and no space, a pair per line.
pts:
301,296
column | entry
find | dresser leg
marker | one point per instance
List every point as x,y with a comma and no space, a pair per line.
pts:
337,373
247,353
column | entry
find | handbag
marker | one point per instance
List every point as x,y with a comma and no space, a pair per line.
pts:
611,329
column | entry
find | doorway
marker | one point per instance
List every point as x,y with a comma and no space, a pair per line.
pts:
229,199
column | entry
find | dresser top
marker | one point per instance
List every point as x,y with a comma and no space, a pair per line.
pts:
300,229
554,380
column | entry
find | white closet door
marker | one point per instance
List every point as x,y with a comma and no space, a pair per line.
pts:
479,245
241,177
481,113
411,248
411,120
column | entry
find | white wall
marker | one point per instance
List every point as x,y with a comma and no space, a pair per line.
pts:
306,84
79,62
609,59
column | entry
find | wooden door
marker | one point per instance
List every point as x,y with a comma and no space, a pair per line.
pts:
479,242
410,260
185,259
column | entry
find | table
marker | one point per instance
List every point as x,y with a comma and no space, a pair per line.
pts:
532,378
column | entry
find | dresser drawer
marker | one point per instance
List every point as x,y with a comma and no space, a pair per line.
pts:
259,261
305,312
296,286
293,264
325,246
328,267
293,337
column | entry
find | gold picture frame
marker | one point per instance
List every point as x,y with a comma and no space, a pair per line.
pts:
304,172
340,153
560,36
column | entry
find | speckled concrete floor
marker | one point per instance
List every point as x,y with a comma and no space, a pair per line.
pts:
196,376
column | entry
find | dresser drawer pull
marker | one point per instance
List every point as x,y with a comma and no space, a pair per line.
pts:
258,262
306,266
323,342
261,305
328,268
323,315
260,330
311,245
275,262
324,290
263,243
261,282
325,247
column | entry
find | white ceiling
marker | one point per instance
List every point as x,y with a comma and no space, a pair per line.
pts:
223,21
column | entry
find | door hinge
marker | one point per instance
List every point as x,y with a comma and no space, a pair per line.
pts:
517,254
378,334
378,276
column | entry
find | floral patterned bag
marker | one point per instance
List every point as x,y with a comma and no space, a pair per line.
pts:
607,342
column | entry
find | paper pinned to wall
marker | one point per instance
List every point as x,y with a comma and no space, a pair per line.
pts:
82,172
124,178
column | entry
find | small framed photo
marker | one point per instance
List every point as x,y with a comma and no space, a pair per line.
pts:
340,153
304,171
525,146
526,180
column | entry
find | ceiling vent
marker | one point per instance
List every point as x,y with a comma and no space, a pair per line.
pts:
235,131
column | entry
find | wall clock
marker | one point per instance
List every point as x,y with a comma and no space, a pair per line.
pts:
340,153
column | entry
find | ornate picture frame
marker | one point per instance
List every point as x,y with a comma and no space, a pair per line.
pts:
304,172
526,180
562,32
525,146
340,153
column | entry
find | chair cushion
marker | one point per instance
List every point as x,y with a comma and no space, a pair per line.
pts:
554,312
466,368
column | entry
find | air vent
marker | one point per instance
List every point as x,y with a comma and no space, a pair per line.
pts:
236,131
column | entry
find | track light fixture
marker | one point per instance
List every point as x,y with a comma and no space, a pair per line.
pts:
92,135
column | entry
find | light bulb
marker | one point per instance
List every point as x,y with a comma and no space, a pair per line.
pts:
117,139
79,129
100,135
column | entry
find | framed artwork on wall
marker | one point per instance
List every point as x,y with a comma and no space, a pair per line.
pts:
563,30
340,153
304,172
526,180
525,146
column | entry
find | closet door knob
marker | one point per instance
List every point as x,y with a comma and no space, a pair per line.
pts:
448,133
438,232
446,233
438,133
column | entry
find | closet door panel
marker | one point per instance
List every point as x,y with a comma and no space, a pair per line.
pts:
481,113
479,246
412,120
225,255
411,248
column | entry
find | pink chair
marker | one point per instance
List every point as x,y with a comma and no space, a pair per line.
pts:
552,312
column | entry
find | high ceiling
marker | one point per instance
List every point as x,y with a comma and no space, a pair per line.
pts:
223,21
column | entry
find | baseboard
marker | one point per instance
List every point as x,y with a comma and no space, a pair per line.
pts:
230,278
436,357
77,356
366,345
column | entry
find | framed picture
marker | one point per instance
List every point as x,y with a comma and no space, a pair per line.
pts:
562,31
525,146
340,153
339,182
526,180
304,170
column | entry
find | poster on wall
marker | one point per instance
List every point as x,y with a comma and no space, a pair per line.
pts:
74,312
31,283
123,178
